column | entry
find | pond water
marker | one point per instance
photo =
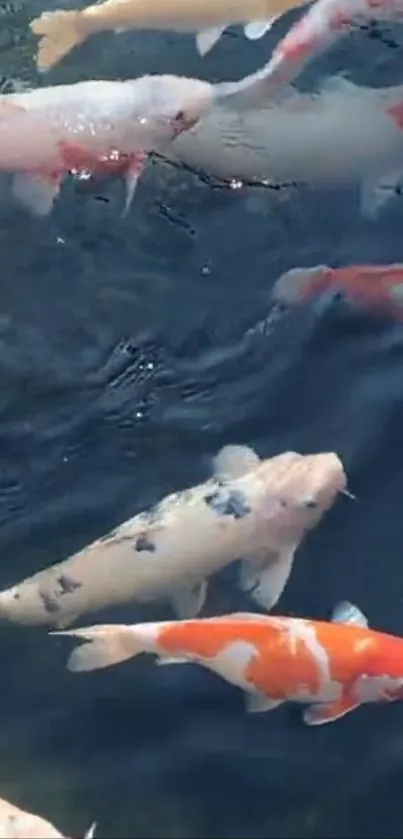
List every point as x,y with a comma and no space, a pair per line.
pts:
131,350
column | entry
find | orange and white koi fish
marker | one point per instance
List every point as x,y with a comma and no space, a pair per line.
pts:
60,31
96,127
16,823
325,22
258,510
375,287
332,667
341,135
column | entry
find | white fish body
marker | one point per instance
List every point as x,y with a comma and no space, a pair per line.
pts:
60,31
342,134
92,125
16,823
257,510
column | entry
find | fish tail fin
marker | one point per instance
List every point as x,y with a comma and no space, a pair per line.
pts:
59,32
90,832
105,645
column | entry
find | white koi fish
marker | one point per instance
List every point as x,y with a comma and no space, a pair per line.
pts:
340,135
257,510
92,127
331,667
60,31
16,823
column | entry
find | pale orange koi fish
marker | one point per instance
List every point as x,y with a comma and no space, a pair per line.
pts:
331,667
60,31
16,823
92,127
259,510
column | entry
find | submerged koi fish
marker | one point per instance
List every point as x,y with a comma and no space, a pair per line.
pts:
16,823
331,667
339,135
376,287
259,510
95,127
60,31
325,22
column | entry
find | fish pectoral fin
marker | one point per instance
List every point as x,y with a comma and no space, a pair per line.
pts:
35,192
188,601
255,29
257,703
234,462
329,711
133,172
161,660
264,575
91,831
346,612
375,192
206,38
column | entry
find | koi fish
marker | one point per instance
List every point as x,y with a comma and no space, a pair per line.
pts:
331,667
339,135
96,127
60,31
376,287
258,510
16,823
325,22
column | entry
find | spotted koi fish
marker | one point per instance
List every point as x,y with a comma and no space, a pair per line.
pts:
257,510
92,127
330,667
16,823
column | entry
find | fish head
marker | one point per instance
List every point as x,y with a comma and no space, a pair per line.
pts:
298,489
299,284
169,105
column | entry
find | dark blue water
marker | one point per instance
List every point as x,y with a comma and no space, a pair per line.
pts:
131,350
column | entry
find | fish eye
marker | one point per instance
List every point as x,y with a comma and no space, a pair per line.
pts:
180,116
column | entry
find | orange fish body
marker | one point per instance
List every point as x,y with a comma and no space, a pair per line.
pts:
332,667
378,287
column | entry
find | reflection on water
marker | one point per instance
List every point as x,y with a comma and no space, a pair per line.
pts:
130,351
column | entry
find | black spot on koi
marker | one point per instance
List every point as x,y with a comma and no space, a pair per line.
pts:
142,543
228,503
67,584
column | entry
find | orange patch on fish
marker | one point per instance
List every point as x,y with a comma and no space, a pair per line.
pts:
292,666
209,638
396,112
77,158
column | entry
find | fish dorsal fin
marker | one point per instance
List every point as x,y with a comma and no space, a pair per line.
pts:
206,38
234,461
346,612
255,29
246,616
